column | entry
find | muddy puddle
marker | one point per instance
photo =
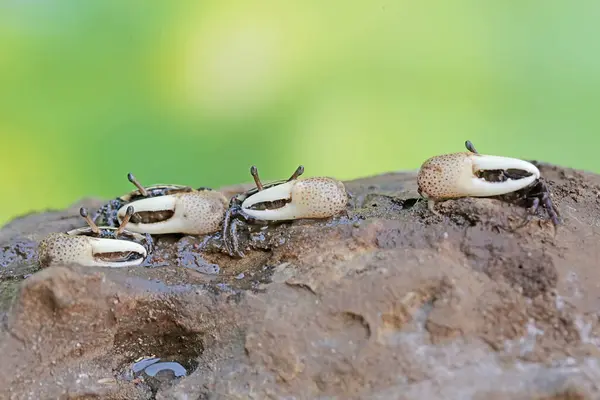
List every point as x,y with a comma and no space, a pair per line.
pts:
165,359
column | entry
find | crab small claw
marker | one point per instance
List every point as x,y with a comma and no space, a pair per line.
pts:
456,175
193,213
62,249
307,198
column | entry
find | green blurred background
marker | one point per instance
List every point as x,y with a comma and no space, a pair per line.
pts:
194,92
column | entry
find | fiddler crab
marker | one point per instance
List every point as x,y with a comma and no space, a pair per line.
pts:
94,246
284,200
471,174
167,209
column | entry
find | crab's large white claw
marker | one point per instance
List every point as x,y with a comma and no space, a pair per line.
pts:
478,187
174,223
279,192
101,248
192,213
306,198
63,249
454,175
487,163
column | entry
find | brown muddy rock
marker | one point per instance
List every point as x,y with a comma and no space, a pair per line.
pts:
88,324
386,302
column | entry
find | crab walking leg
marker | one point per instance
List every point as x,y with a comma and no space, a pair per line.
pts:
229,230
431,206
235,239
224,231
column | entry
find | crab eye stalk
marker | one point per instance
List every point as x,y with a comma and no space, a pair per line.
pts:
469,145
126,219
299,171
88,251
137,184
254,173
259,185
193,212
84,213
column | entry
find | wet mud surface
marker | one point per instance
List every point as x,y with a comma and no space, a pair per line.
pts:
387,301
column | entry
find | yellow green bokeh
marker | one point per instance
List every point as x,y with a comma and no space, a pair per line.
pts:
195,92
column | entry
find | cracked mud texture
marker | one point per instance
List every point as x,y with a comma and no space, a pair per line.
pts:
386,302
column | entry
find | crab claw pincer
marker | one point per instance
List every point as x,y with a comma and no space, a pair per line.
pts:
193,213
318,197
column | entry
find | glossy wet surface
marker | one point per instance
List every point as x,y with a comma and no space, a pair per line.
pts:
157,373
18,258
